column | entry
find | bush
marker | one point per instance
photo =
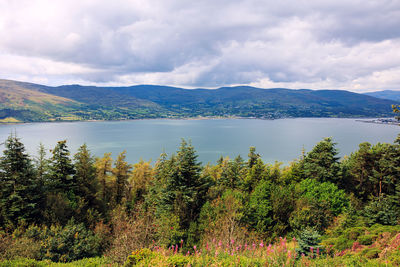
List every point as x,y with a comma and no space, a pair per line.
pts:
69,243
23,263
138,256
371,253
308,240
366,240
382,211
178,260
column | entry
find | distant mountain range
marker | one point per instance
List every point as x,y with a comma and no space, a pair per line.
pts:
28,102
386,94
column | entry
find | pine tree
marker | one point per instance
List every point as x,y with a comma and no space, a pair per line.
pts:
185,189
103,175
20,190
253,157
121,173
87,184
322,162
62,169
42,164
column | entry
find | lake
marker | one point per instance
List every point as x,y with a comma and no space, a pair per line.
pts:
276,140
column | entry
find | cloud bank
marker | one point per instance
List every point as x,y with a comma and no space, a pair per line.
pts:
333,44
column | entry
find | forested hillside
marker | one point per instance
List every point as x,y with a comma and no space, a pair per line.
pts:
32,102
386,94
317,211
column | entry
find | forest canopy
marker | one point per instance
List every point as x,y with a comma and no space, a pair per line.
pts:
64,207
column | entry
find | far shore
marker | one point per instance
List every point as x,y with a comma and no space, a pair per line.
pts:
390,121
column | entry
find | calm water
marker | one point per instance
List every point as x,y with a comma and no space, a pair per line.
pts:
276,140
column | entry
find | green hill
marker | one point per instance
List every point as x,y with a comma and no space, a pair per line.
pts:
34,102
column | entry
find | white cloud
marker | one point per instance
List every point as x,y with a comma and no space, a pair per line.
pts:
345,44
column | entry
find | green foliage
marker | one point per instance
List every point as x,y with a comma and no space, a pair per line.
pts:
121,172
24,262
20,190
138,256
384,210
371,253
308,241
178,261
178,202
311,213
61,169
259,209
327,192
68,243
321,163
185,189
256,173
87,185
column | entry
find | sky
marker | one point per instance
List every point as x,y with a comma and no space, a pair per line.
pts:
317,44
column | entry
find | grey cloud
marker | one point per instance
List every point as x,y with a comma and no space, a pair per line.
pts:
205,43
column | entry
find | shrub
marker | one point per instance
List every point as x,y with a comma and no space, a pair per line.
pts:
366,240
343,243
178,260
382,211
69,243
371,253
130,233
308,240
138,256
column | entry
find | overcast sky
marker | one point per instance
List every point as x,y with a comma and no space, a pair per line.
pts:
317,44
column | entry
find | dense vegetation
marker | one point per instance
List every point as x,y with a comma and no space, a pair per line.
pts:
32,102
63,208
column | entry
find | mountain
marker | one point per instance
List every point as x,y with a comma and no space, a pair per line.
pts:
33,102
386,94
18,102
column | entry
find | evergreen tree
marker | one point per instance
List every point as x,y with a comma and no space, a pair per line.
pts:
62,169
121,173
254,175
20,190
185,189
322,162
42,164
103,175
87,185
61,200
253,157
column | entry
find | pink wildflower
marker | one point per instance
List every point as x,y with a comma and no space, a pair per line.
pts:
261,244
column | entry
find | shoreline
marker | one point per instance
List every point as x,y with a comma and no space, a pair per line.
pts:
375,120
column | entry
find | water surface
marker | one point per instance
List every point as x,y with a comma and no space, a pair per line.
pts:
276,140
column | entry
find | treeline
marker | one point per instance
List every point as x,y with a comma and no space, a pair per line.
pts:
61,207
